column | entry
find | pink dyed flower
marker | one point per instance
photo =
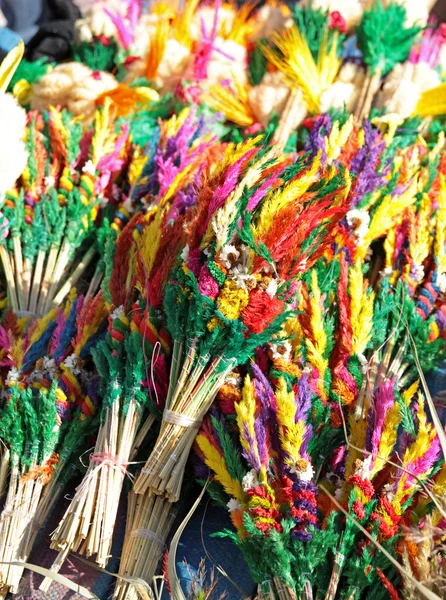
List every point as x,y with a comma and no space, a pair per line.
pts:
254,128
207,284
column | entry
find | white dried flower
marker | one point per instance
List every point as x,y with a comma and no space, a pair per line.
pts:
306,474
388,491
49,365
228,255
241,276
359,220
72,363
96,21
240,271
13,377
185,254
272,287
50,181
271,95
349,73
351,10
282,350
364,469
250,480
228,61
441,282
404,85
233,504
103,200
89,168
116,314
174,63
233,379
417,273
270,18
204,16
129,205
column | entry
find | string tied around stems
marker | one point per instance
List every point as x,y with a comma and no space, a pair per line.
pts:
148,534
7,513
178,419
110,460
102,459
169,416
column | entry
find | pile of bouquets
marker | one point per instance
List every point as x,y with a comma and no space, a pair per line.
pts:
228,234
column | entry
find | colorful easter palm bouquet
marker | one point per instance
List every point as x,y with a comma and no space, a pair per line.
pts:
51,230
232,282
49,401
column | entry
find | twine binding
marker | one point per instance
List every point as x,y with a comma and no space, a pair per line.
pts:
148,534
177,419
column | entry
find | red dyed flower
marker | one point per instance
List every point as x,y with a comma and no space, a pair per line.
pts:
259,491
261,311
308,123
303,515
266,527
105,41
307,495
358,509
130,60
363,484
337,21
387,530
285,491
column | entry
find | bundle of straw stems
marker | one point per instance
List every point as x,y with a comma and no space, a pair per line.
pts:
88,523
369,89
18,518
35,289
193,386
290,119
277,590
4,467
149,520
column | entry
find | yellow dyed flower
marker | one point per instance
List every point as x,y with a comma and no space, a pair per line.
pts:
232,300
